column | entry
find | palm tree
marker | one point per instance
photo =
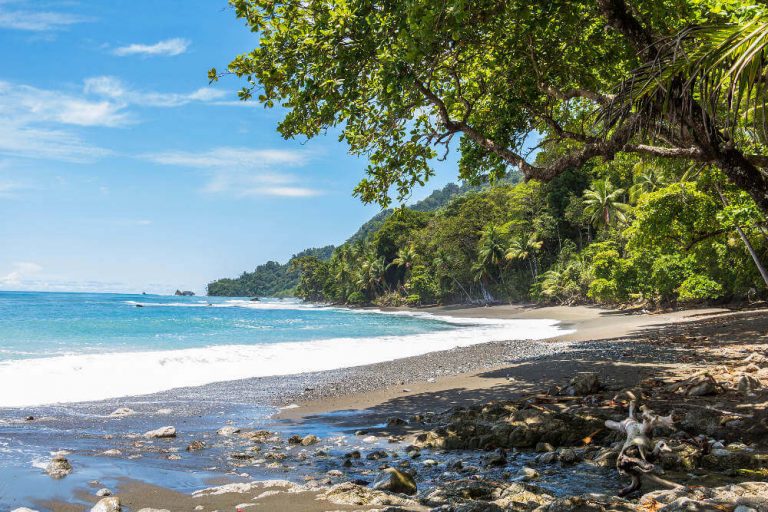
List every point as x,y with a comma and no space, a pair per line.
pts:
371,275
490,256
603,205
524,247
406,257
648,178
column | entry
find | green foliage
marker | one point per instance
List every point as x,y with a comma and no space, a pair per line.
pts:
698,287
268,280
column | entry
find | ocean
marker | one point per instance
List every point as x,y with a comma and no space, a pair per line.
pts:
76,347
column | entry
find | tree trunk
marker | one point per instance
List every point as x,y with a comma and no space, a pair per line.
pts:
744,175
747,243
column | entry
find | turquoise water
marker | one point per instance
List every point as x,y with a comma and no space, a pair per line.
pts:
36,324
78,347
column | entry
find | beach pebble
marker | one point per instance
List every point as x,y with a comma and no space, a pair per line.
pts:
199,507
111,504
309,440
390,479
23,509
112,453
159,509
228,431
121,412
103,492
527,473
164,411
369,439
59,467
396,422
160,433
195,446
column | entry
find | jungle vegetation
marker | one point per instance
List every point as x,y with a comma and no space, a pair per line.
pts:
638,125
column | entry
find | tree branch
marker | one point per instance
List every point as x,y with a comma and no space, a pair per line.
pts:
617,13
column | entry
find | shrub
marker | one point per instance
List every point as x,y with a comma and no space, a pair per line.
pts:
356,298
698,287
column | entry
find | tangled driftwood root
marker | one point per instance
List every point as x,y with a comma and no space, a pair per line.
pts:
636,455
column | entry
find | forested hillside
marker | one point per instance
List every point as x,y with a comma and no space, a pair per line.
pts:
630,230
271,279
274,279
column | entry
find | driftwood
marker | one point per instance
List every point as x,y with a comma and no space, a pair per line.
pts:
633,459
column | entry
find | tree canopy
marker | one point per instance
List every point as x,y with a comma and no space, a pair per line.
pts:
401,79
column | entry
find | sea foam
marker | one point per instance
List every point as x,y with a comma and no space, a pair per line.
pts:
87,377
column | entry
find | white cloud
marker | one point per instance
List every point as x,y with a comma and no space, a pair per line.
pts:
37,21
33,121
116,90
229,157
53,144
168,47
243,172
21,272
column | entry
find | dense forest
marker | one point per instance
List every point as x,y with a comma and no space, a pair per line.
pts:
271,279
632,230
639,128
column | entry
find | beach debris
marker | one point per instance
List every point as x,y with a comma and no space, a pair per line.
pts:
632,459
161,433
587,383
700,384
59,467
195,445
103,492
111,504
394,480
228,431
121,412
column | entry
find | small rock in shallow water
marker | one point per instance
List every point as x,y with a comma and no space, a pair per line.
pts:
161,433
121,412
390,479
59,467
309,440
195,446
396,422
568,456
228,431
111,504
103,492
112,453
23,509
160,509
527,473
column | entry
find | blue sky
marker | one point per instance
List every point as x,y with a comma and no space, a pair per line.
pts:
121,169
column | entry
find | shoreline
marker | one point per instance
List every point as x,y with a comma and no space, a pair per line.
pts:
591,324
340,402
